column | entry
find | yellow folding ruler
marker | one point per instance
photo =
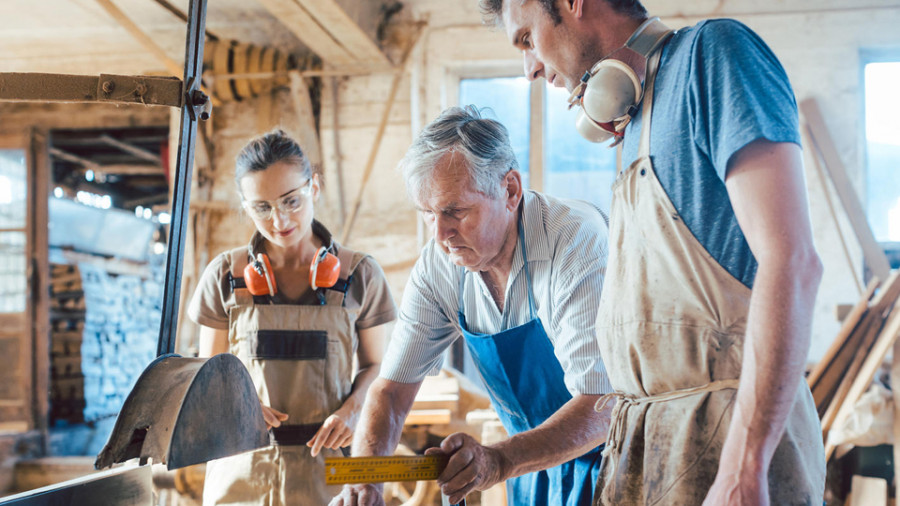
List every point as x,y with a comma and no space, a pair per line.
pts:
340,470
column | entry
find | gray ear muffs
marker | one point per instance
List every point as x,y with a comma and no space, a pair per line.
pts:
610,91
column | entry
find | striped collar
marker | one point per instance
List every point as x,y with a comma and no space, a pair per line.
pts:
536,240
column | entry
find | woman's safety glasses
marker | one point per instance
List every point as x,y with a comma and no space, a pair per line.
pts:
290,203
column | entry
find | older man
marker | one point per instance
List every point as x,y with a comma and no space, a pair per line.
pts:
517,274
706,312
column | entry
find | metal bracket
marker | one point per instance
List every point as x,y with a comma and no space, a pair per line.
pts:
42,87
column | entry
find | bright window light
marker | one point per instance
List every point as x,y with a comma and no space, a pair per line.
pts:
165,218
883,149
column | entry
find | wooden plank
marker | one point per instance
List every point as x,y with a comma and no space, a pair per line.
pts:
536,136
308,135
39,305
885,342
823,182
130,149
39,87
34,87
895,392
842,378
428,417
376,144
344,30
824,145
834,403
145,40
299,21
850,323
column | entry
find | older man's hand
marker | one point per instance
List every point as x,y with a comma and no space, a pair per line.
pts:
367,494
471,466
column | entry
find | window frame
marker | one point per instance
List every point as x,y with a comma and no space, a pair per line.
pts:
867,56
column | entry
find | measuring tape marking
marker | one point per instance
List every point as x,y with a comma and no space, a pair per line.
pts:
340,470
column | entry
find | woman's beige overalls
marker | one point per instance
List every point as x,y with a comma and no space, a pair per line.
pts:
671,327
300,359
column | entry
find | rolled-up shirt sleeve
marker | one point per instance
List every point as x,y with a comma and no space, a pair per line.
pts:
575,300
424,328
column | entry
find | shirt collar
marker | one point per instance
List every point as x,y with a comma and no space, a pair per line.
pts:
536,241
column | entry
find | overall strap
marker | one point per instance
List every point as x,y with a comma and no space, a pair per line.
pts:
238,260
646,114
350,260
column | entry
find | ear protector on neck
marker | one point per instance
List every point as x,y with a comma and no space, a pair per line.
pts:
610,91
324,272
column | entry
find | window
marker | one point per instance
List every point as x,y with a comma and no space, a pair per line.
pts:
554,158
882,109
13,194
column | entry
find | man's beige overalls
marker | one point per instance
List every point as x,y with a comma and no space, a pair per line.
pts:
300,359
671,327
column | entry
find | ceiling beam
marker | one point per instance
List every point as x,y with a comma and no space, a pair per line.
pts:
346,31
308,30
145,40
141,153
327,30
69,157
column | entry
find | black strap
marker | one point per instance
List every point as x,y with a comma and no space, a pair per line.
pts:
297,435
289,345
293,435
239,284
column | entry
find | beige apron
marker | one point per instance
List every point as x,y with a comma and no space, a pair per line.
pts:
671,327
300,358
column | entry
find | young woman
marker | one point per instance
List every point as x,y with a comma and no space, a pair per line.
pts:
297,341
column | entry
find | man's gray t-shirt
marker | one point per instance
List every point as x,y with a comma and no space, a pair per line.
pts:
719,87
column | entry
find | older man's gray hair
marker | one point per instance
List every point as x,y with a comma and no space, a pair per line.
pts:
482,142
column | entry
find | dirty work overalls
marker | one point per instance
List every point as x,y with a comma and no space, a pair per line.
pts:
525,382
300,359
671,327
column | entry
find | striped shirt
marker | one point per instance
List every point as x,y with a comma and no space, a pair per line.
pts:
567,252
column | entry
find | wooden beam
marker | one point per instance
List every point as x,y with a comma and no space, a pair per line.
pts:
338,155
42,87
885,342
69,157
536,136
308,133
145,40
133,150
854,269
824,145
373,153
344,30
299,21
182,16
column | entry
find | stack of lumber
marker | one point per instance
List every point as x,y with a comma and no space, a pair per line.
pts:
67,309
847,369
120,336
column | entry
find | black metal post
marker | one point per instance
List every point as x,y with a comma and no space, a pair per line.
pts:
193,100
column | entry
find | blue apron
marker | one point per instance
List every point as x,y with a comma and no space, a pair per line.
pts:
525,382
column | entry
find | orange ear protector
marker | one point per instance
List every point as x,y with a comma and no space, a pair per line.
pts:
258,276
324,272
